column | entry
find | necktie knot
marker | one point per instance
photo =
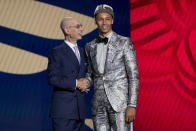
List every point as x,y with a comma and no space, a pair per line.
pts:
75,48
102,40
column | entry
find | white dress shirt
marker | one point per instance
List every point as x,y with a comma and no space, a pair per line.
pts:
101,54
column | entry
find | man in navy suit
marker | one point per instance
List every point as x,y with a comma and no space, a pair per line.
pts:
66,70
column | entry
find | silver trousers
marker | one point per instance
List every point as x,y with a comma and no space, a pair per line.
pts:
105,117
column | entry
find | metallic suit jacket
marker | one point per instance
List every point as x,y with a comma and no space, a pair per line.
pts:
120,78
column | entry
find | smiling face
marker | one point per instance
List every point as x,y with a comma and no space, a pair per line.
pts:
73,30
104,22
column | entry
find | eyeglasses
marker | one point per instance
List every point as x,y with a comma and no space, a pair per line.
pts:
77,26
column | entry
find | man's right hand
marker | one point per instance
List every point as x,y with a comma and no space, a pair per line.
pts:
82,84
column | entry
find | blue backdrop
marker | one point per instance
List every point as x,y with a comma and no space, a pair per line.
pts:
25,98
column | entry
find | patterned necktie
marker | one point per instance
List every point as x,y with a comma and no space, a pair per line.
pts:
77,53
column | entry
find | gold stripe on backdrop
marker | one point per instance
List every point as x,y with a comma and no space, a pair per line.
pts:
34,18
89,123
39,18
18,61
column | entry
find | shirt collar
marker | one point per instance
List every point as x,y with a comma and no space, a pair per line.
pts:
71,45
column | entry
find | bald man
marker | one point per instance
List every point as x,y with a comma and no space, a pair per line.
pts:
66,68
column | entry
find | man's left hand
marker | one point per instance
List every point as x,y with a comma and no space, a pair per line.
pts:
130,114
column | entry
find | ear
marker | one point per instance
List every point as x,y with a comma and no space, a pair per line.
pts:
95,21
112,20
66,30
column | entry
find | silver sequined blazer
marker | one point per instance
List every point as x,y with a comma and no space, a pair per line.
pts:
120,78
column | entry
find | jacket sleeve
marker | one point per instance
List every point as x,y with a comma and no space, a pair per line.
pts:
132,73
89,74
54,74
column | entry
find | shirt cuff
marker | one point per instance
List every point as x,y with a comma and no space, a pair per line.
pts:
76,83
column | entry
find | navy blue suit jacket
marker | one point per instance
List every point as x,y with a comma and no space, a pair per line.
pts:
63,70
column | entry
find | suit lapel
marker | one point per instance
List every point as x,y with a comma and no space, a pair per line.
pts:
81,63
81,55
93,54
71,55
112,46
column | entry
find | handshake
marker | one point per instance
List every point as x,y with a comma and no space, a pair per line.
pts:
82,85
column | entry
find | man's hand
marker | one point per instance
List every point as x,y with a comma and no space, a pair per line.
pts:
130,114
82,84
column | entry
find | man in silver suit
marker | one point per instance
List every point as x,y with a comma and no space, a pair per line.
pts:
112,68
